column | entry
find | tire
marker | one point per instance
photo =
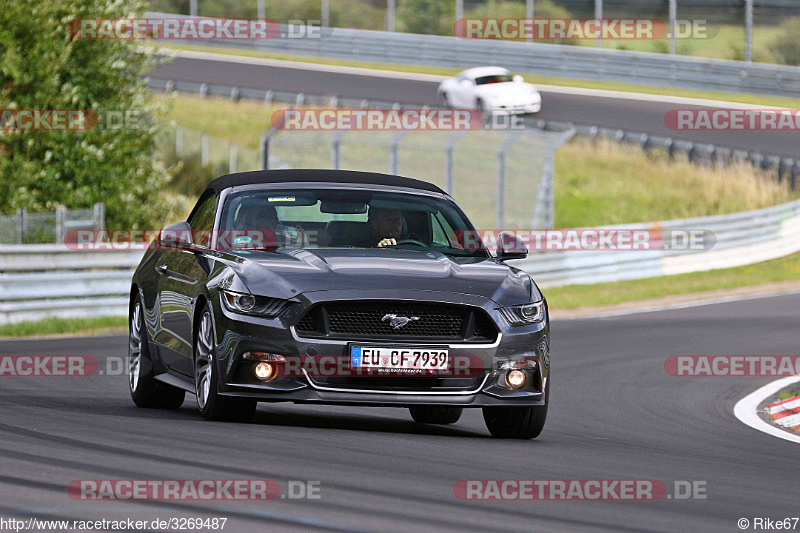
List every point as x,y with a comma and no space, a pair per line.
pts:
211,404
435,415
443,99
145,390
479,106
517,422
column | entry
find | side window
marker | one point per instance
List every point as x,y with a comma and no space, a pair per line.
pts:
441,230
202,222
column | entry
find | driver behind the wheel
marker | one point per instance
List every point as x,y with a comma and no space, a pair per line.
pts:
387,226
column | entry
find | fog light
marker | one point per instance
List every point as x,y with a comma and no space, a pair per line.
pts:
516,378
264,371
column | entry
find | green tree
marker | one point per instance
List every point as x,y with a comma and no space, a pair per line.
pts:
43,66
785,44
543,9
433,17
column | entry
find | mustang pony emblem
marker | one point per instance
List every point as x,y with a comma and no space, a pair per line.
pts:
398,322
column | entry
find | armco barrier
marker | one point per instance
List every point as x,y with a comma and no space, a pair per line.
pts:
741,239
43,280
37,281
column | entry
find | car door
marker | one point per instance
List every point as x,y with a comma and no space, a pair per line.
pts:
183,273
462,92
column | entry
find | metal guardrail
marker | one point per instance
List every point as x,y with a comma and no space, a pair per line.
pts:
44,280
741,239
38,281
569,61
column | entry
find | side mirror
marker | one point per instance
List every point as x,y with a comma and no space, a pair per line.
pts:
178,235
510,246
517,78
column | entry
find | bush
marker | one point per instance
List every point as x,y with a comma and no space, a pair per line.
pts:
43,67
785,45
543,9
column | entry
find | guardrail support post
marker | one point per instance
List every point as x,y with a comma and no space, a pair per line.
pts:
449,181
326,13
673,8
263,151
529,15
748,30
390,5
500,214
336,149
99,216
22,225
60,224
598,15
393,151
178,141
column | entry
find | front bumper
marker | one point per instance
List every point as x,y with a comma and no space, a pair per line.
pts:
484,387
517,109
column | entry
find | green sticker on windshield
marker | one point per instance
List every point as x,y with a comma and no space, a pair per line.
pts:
242,239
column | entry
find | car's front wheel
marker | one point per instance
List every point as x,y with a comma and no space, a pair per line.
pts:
212,405
145,390
517,422
443,99
435,415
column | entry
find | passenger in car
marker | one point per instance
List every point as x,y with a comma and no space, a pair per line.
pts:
387,226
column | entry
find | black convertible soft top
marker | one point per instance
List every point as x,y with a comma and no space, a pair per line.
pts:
315,175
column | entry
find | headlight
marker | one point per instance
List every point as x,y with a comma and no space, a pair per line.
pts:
249,304
519,315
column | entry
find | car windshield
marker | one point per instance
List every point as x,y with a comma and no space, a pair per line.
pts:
339,218
494,78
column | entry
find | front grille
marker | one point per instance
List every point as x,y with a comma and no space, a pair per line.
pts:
368,319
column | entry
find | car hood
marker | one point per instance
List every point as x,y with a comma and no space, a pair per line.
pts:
506,90
289,272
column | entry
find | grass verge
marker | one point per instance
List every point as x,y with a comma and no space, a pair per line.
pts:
596,182
72,326
532,77
619,292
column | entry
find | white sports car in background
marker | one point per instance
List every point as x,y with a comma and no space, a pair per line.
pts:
490,89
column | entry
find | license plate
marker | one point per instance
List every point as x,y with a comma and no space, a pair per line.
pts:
394,358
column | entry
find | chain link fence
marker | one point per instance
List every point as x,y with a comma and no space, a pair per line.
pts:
503,179
49,227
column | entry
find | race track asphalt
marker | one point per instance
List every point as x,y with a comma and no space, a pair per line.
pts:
615,414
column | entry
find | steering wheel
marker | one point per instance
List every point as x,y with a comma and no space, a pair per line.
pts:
415,242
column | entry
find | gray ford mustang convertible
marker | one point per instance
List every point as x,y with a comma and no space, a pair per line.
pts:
335,287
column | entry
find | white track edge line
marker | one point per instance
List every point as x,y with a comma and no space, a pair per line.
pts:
745,409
